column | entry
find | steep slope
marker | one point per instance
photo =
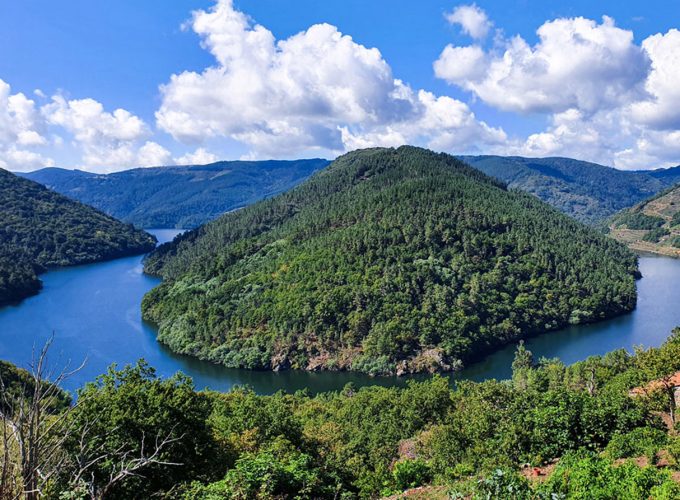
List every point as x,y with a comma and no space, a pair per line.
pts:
586,191
651,226
182,197
40,228
386,261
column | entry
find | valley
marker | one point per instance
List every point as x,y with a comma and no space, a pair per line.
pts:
40,229
449,270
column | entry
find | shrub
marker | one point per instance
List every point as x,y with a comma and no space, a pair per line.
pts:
411,473
641,441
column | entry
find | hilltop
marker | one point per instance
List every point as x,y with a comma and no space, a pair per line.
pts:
651,226
387,261
178,196
40,228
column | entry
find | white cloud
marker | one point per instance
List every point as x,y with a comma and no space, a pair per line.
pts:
198,157
459,64
108,141
21,127
607,99
318,90
471,19
152,154
22,160
662,109
577,63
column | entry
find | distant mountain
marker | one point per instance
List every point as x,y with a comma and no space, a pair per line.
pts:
651,226
40,228
387,261
178,197
587,191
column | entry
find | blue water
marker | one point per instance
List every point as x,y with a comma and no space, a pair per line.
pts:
93,311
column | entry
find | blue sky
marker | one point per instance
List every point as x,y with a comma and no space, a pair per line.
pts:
606,99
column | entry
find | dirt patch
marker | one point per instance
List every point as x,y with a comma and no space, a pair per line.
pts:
538,474
422,493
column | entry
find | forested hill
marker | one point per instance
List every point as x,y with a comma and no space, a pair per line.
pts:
651,226
587,191
178,197
386,261
40,228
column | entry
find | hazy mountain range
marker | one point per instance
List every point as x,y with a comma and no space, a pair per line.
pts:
187,196
178,196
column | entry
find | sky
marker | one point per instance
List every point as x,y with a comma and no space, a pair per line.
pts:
104,86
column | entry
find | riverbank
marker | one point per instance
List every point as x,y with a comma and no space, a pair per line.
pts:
94,313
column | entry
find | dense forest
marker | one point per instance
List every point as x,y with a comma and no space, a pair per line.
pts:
179,196
586,191
387,261
595,430
651,226
40,228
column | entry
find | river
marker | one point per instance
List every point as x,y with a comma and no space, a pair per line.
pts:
93,311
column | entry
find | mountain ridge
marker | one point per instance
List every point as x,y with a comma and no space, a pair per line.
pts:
178,196
188,196
587,191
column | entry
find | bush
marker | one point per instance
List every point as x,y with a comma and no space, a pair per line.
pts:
638,220
280,472
584,475
411,473
641,441
502,484
656,234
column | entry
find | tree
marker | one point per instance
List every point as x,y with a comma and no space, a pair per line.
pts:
135,434
521,365
33,412
660,365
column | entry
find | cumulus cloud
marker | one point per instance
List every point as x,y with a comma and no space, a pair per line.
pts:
152,154
662,109
577,63
472,20
20,128
607,98
199,157
318,90
107,139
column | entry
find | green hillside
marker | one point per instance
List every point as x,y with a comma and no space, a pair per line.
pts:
587,191
178,197
651,226
386,261
40,228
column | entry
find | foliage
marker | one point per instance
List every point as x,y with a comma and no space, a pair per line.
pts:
40,228
584,475
16,383
178,196
387,260
411,473
126,412
655,220
502,483
654,235
360,443
643,441
639,220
